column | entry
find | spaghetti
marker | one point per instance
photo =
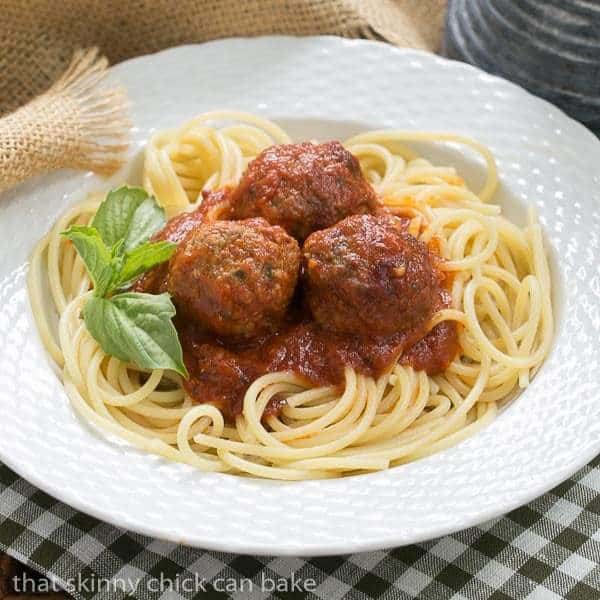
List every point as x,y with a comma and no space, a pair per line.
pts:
500,295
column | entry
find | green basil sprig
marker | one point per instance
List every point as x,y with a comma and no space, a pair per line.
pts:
115,249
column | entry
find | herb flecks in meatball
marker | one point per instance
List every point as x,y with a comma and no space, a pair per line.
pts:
303,187
235,278
367,275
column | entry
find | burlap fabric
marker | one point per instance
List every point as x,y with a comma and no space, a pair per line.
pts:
73,125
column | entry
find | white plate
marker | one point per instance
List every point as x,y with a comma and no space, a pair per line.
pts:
327,87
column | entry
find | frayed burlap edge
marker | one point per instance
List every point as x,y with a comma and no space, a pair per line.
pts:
75,124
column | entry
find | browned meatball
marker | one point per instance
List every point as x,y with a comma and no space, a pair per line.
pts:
367,276
303,187
235,278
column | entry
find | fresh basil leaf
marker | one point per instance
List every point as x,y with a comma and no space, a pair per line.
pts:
143,258
115,249
146,221
128,214
95,255
114,215
136,327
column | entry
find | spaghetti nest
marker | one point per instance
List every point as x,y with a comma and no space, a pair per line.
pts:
500,296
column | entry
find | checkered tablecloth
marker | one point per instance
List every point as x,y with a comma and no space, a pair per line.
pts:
547,550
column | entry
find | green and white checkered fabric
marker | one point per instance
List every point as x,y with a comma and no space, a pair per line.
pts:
547,550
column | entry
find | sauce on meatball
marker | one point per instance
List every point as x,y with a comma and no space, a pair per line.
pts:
303,187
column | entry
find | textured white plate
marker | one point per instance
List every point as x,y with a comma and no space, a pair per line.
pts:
327,87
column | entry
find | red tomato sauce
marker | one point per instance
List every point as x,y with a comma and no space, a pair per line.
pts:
221,370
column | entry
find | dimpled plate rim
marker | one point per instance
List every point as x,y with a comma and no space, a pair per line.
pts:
546,160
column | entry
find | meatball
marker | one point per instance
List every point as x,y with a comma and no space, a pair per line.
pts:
367,275
303,187
235,278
